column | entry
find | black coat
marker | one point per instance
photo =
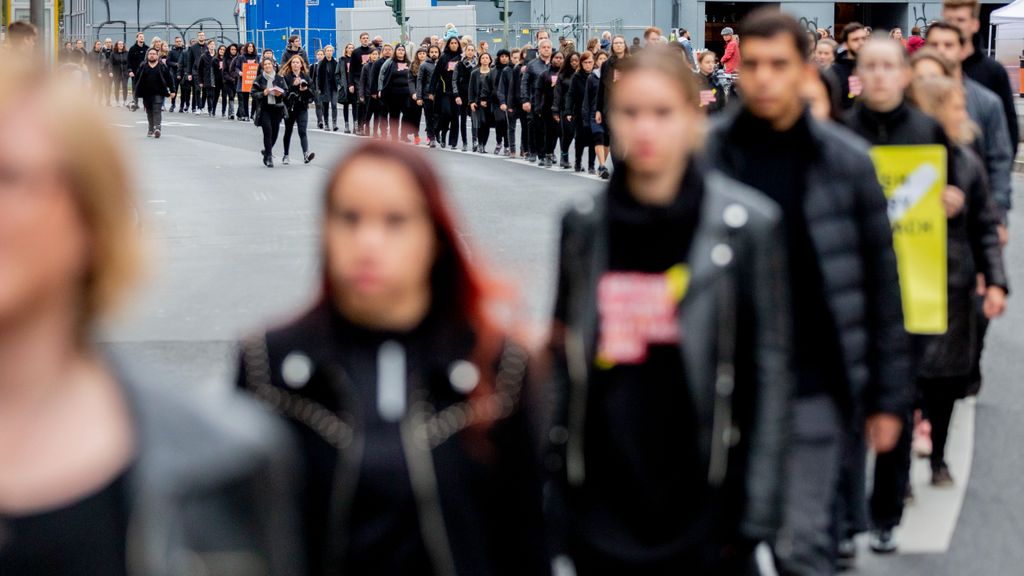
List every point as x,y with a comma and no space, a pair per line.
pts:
119,64
842,68
480,514
711,83
298,98
260,84
753,284
849,228
331,76
136,56
442,84
153,81
530,84
175,58
461,76
425,78
206,72
561,103
355,69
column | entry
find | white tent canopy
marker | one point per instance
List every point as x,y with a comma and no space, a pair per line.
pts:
1008,14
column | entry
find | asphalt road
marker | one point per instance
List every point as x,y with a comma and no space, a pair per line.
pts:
234,248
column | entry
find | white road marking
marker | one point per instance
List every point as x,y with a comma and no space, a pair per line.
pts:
929,523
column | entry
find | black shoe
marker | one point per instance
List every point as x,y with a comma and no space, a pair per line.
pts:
465,148
309,157
335,129
156,133
564,164
603,173
347,129
267,161
149,134
531,158
231,117
320,125
591,171
883,541
941,477
578,167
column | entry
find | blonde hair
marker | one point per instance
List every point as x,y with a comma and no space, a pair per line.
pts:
933,95
96,174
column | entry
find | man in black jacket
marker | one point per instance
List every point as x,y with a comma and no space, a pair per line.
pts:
537,71
136,56
190,70
964,14
850,345
153,84
360,58
854,35
294,48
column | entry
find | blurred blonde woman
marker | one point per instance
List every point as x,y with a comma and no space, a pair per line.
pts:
102,473
973,249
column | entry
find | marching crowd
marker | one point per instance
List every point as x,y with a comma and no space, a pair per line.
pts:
730,335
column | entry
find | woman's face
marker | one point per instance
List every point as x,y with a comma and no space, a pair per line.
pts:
97,46
44,243
601,60
588,65
574,61
649,115
400,53
557,60
470,52
453,44
707,64
953,116
897,34
233,51
374,56
348,49
619,46
421,56
221,51
268,66
296,65
927,68
119,46
824,55
379,240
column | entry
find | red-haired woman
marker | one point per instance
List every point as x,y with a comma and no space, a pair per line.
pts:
405,395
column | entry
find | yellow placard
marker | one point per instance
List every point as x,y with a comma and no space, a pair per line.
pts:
913,178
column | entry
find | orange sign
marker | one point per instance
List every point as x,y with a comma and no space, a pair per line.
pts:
249,72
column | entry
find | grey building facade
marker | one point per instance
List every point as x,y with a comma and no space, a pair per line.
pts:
121,19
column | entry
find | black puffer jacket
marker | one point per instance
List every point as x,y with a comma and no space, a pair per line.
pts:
849,228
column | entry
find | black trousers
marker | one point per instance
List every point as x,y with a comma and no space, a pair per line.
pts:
198,98
414,116
346,108
500,128
584,140
394,106
212,95
227,100
243,104
939,395
329,106
449,115
484,122
154,110
121,84
464,113
270,122
538,133
296,119
186,94
429,112
524,130
568,133
374,113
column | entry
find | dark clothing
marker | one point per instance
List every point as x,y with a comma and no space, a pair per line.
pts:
849,230
206,72
83,538
175,59
904,125
360,57
991,74
532,83
330,77
288,54
153,81
370,504
136,56
618,501
774,167
395,81
270,115
842,69
424,79
710,83
192,56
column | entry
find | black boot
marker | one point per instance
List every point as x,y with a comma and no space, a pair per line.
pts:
564,164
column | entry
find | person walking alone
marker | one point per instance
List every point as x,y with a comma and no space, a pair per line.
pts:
269,91
153,83
300,95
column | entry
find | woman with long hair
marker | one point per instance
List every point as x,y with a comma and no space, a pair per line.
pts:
346,99
105,472
460,78
405,392
619,52
502,146
546,87
415,107
590,110
229,82
99,72
397,89
973,249
367,98
483,99
119,67
443,91
563,105
300,94
712,95
578,119
269,90
248,55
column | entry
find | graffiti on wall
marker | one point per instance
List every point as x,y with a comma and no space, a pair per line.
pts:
921,20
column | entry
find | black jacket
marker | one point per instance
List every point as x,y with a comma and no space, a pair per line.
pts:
561,103
190,64
482,88
508,87
175,57
119,64
136,56
355,69
607,79
442,84
531,82
849,228
744,473
590,98
711,83
577,94
298,98
389,71
260,84
288,54
374,76
206,72
331,76
98,63
480,511
991,74
425,78
153,81
842,68
461,76
230,72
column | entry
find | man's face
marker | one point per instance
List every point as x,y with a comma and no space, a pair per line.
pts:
80,45
774,71
108,43
329,52
140,39
152,56
388,51
650,37
884,74
947,43
963,18
855,40
545,50
178,42
364,39
515,58
202,37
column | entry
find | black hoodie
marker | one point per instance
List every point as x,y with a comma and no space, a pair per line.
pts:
136,56
442,84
